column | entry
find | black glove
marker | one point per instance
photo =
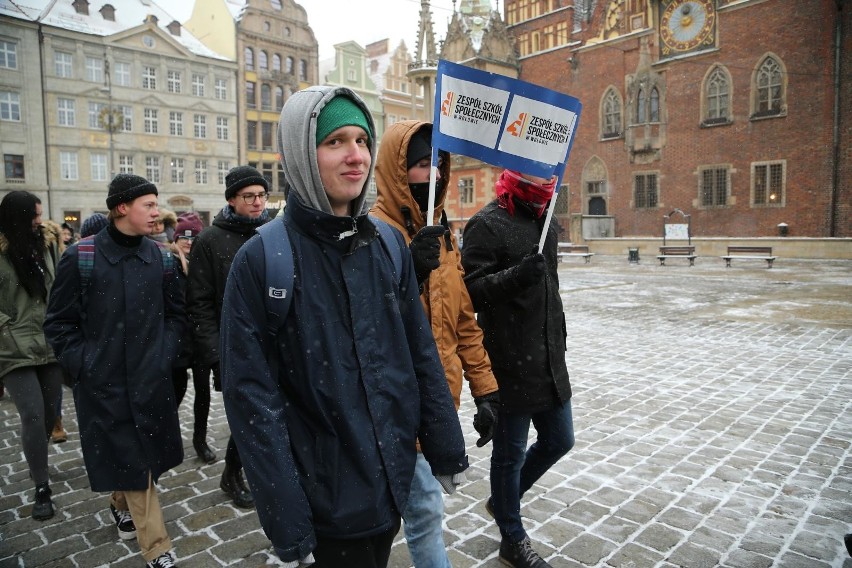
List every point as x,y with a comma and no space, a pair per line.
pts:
217,377
485,418
530,270
425,249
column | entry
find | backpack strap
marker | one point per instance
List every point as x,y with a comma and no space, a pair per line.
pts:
280,273
390,243
85,265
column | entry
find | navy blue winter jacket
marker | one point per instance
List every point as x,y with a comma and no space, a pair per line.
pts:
328,445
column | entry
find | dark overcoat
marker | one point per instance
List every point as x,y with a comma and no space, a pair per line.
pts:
119,346
524,328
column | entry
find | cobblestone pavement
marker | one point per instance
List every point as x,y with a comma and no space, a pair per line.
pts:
713,417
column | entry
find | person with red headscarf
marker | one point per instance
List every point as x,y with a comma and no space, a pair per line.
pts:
515,291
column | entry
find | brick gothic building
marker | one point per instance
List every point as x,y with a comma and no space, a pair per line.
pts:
732,111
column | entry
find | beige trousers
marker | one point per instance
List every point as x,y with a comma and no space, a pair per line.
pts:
144,507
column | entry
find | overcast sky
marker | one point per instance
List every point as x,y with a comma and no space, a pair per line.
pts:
366,21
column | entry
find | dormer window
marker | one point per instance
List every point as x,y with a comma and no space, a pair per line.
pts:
81,7
108,12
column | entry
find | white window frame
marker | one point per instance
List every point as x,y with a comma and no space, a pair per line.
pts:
8,54
66,114
201,171
125,163
199,126
149,78
199,82
63,64
222,130
95,110
174,81
151,121
175,123
121,73
99,167
152,168
94,69
68,170
10,106
178,170
221,89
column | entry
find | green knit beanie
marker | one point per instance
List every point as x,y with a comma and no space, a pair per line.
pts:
340,111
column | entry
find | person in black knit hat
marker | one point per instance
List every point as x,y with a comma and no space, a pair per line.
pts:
117,332
246,192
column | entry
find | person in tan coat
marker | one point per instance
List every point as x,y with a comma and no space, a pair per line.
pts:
402,180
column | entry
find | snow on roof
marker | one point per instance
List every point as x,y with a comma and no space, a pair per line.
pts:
128,14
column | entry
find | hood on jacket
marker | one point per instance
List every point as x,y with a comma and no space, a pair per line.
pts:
297,127
392,188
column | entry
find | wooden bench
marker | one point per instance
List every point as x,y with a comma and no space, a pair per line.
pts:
567,250
687,252
752,253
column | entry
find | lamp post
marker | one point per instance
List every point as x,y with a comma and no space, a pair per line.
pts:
110,115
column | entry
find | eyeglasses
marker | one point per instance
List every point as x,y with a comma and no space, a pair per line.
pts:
250,197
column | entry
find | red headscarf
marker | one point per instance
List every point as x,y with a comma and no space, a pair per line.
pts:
512,183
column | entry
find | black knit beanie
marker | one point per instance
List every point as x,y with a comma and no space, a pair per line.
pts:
419,146
243,176
124,188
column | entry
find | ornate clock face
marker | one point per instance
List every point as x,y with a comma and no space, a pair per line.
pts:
686,24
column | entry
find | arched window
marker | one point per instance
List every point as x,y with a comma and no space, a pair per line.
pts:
717,97
249,57
647,106
263,60
611,114
640,107
276,62
769,88
303,70
265,97
279,98
289,68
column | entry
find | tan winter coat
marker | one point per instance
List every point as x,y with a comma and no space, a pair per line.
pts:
445,298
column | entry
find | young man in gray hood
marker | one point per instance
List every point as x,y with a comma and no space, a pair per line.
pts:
328,441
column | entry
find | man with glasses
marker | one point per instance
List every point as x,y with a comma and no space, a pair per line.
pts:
246,191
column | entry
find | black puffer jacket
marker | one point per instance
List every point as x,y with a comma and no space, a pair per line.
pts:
209,263
524,327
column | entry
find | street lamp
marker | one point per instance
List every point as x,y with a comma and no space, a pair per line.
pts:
110,123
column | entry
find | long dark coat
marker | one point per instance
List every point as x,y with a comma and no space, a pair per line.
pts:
119,350
524,327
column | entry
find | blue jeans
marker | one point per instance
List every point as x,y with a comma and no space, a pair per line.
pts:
514,468
423,519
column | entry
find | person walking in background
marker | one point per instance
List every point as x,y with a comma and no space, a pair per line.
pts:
188,228
93,225
515,292
164,227
326,407
246,192
29,253
116,321
402,183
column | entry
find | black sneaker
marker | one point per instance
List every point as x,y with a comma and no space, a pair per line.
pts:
520,555
43,505
124,523
166,560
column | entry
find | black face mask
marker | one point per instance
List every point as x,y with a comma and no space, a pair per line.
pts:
420,193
